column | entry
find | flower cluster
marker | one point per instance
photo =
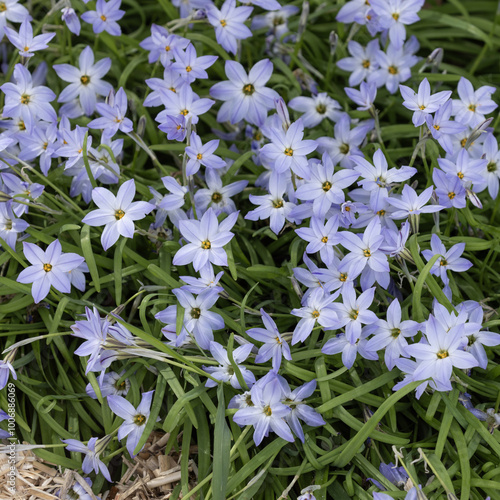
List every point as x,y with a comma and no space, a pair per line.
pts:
264,184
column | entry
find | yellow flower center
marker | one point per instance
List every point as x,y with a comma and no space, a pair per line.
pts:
206,245
216,197
443,262
472,107
223,23
451,195
248,89
47,268
463,142
395,16
3,7
344,148
315,314
199,156
460,175
184,112
103,18
395,332
393,70
437,127
25,99
289,151
422,107
267,411
442,354
381,212
367,252
326,186
324,239
189,69
85,79
321,109
119,214
139,419
195,313
366,63
343,277
167,48
278,203
354,314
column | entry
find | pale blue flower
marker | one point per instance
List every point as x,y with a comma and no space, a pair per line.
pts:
341,344
6,369
85,82
113,115
473,105
422,103
91,451
449,260
267,411
364,97
26,100
324,187
288,150
316,108
199,322
225,372
105,16
202,154
25,41
70,17
320,309
353,312
246,95
189,65
49,268
378,178
135,419
116,213
275,346
443,350
272,205
300,411
228,24
206,239
390,334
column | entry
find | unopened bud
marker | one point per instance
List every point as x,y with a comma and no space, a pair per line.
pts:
303,18
199,15
436,56
110,98
473,198
141,126
476,133
282,111
296,287
334,40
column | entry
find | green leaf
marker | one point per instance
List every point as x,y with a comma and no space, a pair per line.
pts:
222,447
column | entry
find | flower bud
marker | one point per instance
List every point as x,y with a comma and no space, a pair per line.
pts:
282,111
